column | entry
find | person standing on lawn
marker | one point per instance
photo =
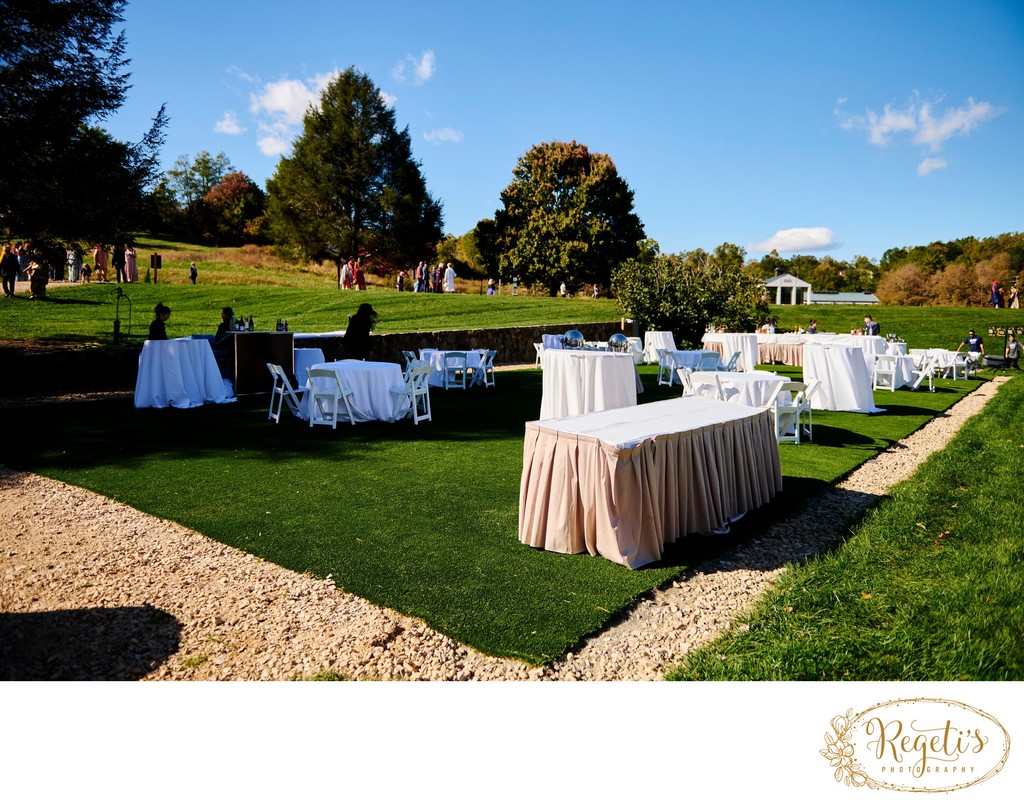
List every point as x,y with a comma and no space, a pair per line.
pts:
973,343
1012,353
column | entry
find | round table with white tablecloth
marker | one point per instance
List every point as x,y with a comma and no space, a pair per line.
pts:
306,357
579,381
181,373
436,359
373,385
845,380
757,388
655,340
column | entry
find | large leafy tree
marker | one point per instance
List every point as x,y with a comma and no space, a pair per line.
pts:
191,178
567,217
351,185
62,70
234,210
686,292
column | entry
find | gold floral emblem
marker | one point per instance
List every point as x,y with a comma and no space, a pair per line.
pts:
839,751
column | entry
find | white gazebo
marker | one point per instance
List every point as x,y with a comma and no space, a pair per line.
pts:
788,289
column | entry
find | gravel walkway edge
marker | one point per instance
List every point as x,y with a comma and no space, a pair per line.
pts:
91,589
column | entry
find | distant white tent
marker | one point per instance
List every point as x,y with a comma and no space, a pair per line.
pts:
789,289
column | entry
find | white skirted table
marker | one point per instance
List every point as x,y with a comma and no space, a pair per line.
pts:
579,381
655,340
624,482
371,382
728,343
306,357
844,375
178,372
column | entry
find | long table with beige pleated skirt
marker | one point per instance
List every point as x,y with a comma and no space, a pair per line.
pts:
624,482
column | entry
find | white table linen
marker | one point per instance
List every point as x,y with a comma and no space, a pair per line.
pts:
787,348
181,373
624,482
304,358
729,343
371,382
903,368
687,358
844,375
655,340
755,389
579,381
436,358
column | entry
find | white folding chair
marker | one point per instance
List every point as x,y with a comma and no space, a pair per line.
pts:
788,415
414,395
884,373
666,366
684,379
925,369
726,392
409,357
730,366
484,374
327,394
539,347
709,361
454,369
282,393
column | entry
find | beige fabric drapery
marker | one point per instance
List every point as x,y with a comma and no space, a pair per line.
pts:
625,482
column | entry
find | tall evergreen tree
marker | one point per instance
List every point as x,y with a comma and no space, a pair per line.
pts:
351,185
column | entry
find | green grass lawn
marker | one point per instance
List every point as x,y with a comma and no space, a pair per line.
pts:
422,519
86,311
929,587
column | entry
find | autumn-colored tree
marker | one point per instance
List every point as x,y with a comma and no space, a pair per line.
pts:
957,285
906,285
233,209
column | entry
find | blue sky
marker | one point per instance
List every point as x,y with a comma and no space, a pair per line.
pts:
836,128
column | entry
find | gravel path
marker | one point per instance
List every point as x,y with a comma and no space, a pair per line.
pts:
93,590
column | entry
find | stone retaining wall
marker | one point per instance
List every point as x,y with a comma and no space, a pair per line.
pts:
40,368
514,345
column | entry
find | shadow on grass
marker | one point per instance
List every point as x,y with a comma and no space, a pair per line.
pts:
86,644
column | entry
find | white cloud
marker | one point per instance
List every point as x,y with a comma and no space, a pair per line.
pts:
280,106
415,70
388,99
798,239
889,122
273,146
933,131
930,164
443,135
921,121
229,125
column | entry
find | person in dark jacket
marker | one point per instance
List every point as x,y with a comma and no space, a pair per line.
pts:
355,344
157,328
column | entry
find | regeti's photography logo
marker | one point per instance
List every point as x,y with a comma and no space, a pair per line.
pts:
922,745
